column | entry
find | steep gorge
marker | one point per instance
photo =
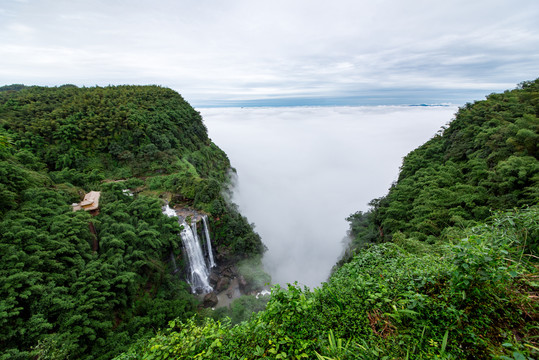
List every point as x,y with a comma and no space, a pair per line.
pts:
431,272
443,267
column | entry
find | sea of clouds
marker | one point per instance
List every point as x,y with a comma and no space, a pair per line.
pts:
303,170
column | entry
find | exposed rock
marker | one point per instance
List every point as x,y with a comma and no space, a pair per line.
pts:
242,283
222,254
226,297
214,279
222,284
178,198
229,272
210,300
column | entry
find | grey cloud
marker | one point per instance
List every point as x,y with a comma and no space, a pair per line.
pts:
244,50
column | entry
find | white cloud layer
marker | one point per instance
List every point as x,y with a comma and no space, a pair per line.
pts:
303,170
226,52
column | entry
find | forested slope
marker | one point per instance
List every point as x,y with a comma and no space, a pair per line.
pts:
61,297
116,131
444,267
487,159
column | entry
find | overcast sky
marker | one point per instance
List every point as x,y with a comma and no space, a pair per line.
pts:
292,52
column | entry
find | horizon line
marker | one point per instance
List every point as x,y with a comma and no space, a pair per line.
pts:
234,106
394,97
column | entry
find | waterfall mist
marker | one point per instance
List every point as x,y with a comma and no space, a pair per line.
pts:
303,170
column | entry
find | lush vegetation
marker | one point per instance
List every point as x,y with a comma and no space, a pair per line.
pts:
81,286
116,132
486,159
445,266
471,299
434,271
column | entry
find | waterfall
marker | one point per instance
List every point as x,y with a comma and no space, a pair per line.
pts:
197,266
194,229
168,211
208,240
198,271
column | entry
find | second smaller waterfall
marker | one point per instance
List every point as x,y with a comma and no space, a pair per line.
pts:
208,240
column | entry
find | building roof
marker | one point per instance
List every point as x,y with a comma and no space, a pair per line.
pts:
89,203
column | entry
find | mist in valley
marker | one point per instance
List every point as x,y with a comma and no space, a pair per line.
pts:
303,170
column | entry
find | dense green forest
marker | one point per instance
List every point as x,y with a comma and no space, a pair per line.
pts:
61,296
443,267
486,159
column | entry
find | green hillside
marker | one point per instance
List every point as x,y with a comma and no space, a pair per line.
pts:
117,131
82,286
486,159
444,267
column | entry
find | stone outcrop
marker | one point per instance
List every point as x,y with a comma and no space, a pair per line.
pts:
210,300
222,284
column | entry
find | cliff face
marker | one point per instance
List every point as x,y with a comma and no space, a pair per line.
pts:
138,146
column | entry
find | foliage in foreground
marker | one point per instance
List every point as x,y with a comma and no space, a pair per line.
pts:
469,299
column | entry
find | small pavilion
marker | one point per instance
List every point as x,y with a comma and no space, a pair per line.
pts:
89,203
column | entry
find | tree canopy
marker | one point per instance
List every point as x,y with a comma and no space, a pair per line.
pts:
77,286
487,159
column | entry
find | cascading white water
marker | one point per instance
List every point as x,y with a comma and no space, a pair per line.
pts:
208,240
198,271
168,211
194,229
